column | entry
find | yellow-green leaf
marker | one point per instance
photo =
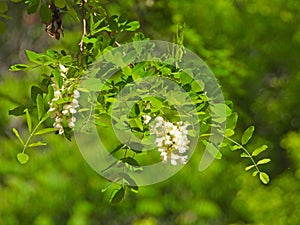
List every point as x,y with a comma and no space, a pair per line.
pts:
16,132
258,150
28,118
36,144
45,131
249,167
247,135
264,177
22,158
40,106
263,161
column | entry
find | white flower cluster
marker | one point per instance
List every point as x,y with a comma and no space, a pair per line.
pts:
171,139
67,110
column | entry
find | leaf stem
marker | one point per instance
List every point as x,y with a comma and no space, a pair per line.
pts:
31,135
84,33
245,150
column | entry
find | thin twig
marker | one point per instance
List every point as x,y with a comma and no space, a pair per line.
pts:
83,25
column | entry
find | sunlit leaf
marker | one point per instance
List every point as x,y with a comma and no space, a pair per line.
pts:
249,167
16,132
229,132
36,144
45,131
247,135
258,150
264,177
263,161
28,119
19,67
132,26
22,158
40,106
245,155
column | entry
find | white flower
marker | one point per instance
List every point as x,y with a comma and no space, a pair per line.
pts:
146,118
171,140
62,68
76,94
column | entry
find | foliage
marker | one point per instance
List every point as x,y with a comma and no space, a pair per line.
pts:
252,47
54,101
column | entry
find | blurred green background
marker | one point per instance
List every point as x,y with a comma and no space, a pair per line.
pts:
253,47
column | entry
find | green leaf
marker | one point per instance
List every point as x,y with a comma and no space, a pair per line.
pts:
45,13
132,26
264,177
18,67
33,56
29,122
18,111
3,7
244,155
247,135
16,132
40,106
2,26
255,173
258,150
117,196
92,84
35,91
263,161
36,144
232,120
130,161
45,131
211,148
22,158
32,6
71,11
198,86
249,167
60,3
235,147
229,132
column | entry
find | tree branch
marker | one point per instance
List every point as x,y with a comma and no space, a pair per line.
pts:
83,25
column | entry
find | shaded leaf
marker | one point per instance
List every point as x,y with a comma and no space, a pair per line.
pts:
3,7
117,196
45,13
35,91
18,111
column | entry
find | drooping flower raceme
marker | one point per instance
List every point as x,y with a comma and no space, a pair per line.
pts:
64,102
171,140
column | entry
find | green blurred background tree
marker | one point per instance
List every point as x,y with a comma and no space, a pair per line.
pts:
253,48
